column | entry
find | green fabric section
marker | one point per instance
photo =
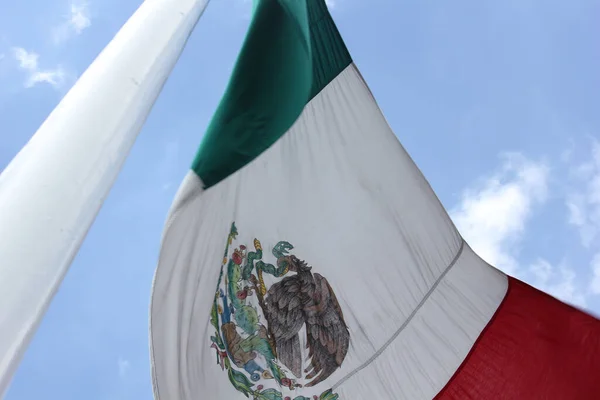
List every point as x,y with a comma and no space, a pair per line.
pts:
291,52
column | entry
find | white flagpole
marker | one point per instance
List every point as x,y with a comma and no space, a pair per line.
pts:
53,189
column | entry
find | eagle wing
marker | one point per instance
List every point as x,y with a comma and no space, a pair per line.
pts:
283,310
327,332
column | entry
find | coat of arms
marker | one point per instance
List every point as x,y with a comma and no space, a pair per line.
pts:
259,330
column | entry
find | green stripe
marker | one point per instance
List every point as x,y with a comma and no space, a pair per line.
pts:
291,52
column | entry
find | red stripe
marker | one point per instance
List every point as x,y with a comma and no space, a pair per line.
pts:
535,347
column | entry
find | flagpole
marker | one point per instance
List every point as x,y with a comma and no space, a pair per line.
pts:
53,189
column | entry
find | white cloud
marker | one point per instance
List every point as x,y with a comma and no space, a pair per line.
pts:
80,17
584,204
124,366
492,214
28,61
76,21
558,281
54,77
330,3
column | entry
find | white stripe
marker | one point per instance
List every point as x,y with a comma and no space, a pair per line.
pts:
424,356
344,192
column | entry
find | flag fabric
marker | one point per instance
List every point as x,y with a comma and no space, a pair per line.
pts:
305,256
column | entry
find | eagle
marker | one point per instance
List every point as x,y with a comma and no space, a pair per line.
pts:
306,299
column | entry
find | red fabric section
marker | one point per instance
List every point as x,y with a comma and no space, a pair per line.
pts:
535,347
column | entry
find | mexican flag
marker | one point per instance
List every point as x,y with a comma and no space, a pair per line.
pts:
305,256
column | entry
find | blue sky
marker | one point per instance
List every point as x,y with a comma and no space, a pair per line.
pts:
495,101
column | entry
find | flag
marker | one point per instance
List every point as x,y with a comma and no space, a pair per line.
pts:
305,256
